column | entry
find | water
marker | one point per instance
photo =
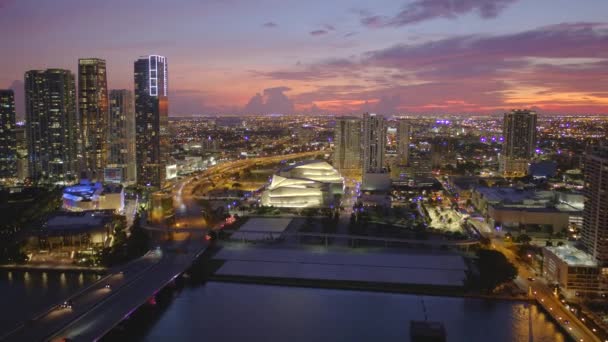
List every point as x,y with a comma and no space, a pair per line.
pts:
233,312
24,294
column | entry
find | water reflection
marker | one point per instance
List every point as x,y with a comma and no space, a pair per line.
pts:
27,293
273,313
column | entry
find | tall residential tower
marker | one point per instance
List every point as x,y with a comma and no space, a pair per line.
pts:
151,119
93,109
595,214
51,125
403,142
122,133
374,143
519,130
347,141
8,141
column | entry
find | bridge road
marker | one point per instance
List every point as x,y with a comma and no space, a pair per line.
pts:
98,321
38,328
102,317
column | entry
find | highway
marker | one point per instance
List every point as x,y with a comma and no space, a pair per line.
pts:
188,213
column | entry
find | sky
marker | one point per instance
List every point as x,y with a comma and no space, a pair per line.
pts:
328,57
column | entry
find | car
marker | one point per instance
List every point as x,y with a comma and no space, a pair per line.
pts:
566,322
67,304
108,286
531,279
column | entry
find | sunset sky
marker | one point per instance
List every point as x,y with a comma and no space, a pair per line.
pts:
328,56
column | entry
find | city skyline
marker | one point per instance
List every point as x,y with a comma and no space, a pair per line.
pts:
393,57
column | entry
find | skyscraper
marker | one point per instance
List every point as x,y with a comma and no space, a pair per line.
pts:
122,133
403,142
595,214
151,118
93,109
51,125
8,141
347,142
22,146
519,130
374,143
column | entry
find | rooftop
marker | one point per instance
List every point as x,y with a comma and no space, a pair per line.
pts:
572,256
514,195
78,222
365,265
263,227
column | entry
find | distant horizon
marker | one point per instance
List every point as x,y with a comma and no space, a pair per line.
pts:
392,56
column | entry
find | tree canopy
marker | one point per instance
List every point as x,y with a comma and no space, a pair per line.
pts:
494,269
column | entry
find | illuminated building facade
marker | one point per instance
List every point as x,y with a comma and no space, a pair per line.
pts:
519,130
403,142
93,110
347,142
8,141
151,119
51,125
595,213
122,133
374,143
310,184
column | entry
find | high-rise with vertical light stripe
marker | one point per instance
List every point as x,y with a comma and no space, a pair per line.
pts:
151,119
93,110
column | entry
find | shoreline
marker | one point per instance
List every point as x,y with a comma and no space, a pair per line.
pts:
53,268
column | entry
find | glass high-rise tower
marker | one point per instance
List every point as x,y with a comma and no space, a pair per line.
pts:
151,119
122,133
8,140
347,142
51,125
374,143
93,110
519,130
594,234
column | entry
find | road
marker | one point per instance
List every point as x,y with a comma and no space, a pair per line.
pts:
187,209
106,314
46,323
545,295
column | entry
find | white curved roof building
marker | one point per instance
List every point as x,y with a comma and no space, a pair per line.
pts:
309,184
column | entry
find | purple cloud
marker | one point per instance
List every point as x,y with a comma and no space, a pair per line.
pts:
318,32
270,24
5,3
272,100
467,73
422,10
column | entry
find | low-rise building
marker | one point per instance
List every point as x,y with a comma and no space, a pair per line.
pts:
309,184
93,196
526,209
78,229
572,269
